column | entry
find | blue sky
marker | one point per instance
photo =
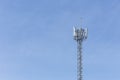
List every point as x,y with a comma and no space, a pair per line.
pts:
36,39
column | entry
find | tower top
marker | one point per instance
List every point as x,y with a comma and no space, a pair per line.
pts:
80,33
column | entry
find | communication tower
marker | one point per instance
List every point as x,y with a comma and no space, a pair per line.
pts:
79,35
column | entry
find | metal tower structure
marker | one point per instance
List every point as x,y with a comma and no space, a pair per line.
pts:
79,35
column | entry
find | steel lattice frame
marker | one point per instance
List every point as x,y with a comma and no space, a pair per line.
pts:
79,60
79,36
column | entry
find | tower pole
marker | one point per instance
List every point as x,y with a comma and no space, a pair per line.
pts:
79,60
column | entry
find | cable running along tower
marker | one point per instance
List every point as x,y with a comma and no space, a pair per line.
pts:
79,35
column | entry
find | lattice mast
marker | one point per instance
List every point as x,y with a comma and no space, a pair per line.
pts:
79,35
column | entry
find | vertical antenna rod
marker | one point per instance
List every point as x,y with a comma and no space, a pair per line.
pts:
79,36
